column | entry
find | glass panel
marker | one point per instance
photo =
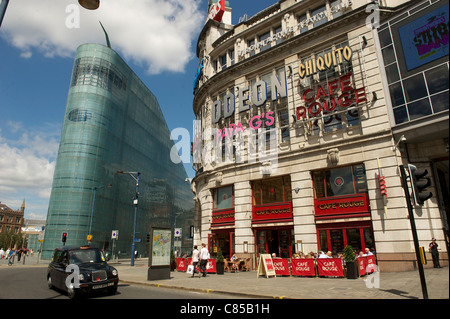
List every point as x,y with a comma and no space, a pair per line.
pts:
337,241
224,198
339,182
385,37
437,79
262,38
440,102
335,9
256,193
419,108
354,239
323,240
414,88
272,191
284,244
303,23
396,94
368,239
392,73
400,114
287,189
360,178
388,55
261,242
320,16
319,188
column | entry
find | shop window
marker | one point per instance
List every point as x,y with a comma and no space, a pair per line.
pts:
358,235
272,191
354,238
223,198
335,182
340,191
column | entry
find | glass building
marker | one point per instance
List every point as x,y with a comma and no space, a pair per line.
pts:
114,123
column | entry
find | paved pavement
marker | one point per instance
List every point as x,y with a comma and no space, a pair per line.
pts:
392,285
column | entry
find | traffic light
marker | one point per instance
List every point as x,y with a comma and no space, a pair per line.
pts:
419,182
148,238
382,183
64,237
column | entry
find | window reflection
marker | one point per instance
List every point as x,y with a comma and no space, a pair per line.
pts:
415,87
419,108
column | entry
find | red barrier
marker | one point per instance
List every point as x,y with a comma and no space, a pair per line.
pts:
362,266
181,264
211,266
371,265
303,267
331,267
281,266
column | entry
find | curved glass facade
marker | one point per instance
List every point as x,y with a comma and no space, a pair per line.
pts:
113,123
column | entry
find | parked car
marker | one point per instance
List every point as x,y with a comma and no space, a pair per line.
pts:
80,270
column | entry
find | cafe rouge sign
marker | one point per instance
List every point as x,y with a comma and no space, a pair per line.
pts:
339,93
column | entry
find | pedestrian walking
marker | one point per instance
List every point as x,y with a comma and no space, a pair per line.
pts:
11,257
204,256
2,253
195,260
434,247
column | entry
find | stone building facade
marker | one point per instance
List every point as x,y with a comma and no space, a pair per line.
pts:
294,130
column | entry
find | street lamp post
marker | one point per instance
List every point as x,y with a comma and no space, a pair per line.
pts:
93,204
133,245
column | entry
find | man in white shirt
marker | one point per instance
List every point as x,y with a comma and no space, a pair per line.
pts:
323,255
204,256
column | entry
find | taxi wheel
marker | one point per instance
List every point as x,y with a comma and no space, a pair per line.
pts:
49,282
71,293
112,291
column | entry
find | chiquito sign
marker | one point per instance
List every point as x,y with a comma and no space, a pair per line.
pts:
339,93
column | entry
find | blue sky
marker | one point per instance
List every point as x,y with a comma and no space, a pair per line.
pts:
38,40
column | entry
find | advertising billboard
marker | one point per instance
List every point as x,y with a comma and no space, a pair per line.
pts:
426,38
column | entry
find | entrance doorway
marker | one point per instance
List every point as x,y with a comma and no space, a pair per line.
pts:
278,241
223,240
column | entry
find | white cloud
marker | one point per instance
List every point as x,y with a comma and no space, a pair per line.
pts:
157,34
27,165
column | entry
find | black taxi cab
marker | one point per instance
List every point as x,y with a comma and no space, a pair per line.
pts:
79,270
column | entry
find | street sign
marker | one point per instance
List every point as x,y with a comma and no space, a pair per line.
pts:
115,234
177,232
89,237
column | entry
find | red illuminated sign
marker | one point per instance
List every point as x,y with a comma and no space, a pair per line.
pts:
223,217
281,212
338,206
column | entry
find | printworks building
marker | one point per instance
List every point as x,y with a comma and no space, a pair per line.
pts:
301,108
